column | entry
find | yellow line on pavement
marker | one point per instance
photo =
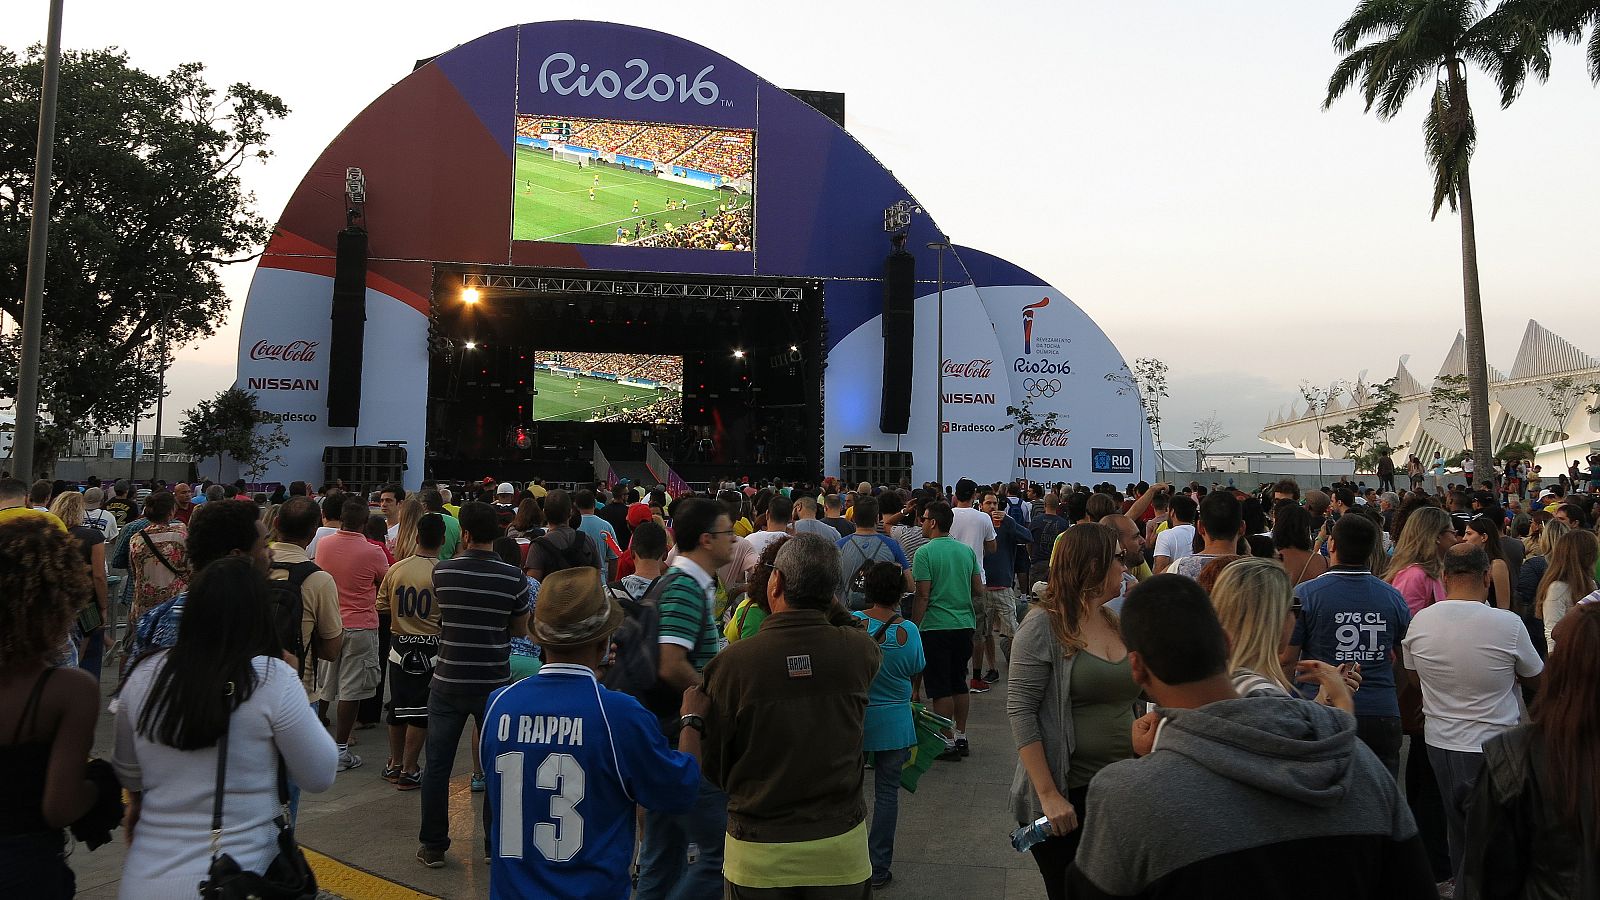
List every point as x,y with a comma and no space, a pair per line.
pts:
352,883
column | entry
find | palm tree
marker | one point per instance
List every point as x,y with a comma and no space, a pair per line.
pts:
1528,27
1406,42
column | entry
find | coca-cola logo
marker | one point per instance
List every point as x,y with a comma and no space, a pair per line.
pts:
972,368
294,351
1053,439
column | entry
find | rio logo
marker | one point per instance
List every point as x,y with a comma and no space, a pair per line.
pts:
563,74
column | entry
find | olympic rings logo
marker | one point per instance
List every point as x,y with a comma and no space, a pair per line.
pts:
1042,387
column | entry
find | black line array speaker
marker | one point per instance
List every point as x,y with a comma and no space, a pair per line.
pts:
878,467
363,469
899,333
349,329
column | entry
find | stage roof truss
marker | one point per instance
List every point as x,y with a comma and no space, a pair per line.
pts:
614,287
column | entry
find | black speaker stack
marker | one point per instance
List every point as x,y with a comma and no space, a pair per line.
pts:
363,469
878,467
899,333
349,329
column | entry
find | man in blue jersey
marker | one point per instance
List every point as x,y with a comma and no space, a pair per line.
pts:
568,760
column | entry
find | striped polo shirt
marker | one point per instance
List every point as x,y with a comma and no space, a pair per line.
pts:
478,595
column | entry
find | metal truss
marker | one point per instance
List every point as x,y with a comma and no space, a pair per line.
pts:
612,287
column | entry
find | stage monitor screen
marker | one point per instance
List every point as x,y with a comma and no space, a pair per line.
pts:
636,184
607,387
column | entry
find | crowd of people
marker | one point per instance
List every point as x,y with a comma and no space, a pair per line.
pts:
663,369
1210,692
726,230
727,153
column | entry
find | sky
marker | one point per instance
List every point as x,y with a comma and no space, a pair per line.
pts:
1204,208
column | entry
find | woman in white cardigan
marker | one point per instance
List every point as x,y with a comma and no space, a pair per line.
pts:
225,674
1569,579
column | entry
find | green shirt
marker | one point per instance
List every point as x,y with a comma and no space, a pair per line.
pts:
1102,715
949,566
686,615
452,537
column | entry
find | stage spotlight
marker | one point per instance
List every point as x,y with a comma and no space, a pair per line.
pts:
793,349
738,354
470,295
472,345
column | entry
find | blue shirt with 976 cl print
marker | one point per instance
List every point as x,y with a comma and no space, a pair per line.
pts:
1350,615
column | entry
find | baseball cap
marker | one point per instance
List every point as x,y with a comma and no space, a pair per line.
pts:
506,488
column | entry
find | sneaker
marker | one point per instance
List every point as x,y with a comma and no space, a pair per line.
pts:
950,754
882,881
433,859
977,686
992,676
1447,889
479,783
408,781
348,760
390,773
962,747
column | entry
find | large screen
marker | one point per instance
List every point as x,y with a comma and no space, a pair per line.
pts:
607,387
639,184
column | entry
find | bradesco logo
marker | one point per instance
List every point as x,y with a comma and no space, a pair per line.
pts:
1117,460
294,351
966,427
563,74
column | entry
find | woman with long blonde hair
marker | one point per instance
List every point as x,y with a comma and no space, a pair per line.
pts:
1569,579
1255,604
405,535
1536,563
1416,567
1069,695
91,544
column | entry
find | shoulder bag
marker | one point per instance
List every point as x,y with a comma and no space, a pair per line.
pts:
288,876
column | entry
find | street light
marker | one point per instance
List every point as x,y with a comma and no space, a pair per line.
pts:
941,247
38,239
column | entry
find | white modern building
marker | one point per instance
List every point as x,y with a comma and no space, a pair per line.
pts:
1517,409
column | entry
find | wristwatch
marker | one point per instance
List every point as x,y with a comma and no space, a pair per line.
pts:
693,721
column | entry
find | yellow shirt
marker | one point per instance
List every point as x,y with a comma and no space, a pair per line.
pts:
22,512
825,862
407,595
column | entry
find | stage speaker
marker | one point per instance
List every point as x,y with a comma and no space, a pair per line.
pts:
349,329
879,467
899,333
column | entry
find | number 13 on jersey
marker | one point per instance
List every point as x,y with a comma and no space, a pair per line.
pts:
561,837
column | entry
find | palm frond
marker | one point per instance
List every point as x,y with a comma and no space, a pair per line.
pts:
1450,136
1594,50
1370,17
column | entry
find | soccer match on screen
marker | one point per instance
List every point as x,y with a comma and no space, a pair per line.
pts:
607,387
593,181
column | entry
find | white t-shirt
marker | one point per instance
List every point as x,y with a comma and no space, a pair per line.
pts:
322,532
1175,542
972,527
1468,655
760,539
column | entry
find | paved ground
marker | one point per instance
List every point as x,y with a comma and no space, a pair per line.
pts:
952,840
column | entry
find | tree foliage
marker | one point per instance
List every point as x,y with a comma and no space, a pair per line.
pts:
1450,404
1207,434
1030,427
1364,434
230,424
146,204
1147,379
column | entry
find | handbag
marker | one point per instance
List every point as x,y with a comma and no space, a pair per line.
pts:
288,876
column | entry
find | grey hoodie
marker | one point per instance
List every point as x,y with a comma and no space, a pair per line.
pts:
1255,797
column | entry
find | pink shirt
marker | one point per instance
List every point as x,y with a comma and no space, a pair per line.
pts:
1419,589
357,566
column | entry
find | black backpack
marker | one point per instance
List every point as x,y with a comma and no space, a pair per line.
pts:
289,606
579,551
636,669
855,587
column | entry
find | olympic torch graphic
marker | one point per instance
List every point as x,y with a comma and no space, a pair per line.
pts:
1027,324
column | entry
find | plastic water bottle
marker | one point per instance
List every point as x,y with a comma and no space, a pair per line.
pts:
1025,837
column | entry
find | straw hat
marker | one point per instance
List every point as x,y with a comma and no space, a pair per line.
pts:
573,610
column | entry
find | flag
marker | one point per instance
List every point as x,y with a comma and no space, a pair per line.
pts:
663,473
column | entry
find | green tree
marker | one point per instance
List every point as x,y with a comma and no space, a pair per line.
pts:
1031,429
1207,434
1563,396
1364,435
1528,26
232,424
147,204
1391,48
1147,379
1317,402
1450,403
